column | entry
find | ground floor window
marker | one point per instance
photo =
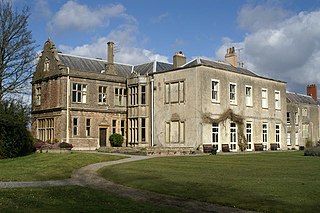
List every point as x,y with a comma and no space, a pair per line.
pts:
122,127
133,130
143,129
249,135
265,136
75,123
114,126
88,124
289,139
233,136
278,135
46,129
215,135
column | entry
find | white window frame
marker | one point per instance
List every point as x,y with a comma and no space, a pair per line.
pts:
215,90
248,97
80,89
264,99
265,136
288,138
233,137
277,99
102,94
215,135
278,135
249,136
233,101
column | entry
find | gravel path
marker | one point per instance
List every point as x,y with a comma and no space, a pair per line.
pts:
88,177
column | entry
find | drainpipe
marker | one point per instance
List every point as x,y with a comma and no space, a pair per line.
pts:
68,106
152,111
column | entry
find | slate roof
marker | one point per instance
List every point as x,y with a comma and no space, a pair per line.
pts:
92,65
300,99
147,68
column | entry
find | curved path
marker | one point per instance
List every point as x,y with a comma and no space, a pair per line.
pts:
88,177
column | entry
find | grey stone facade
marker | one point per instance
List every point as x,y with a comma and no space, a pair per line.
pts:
83,101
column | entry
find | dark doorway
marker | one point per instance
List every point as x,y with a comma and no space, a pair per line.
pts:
103,137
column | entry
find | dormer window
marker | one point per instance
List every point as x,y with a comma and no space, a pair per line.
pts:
46,65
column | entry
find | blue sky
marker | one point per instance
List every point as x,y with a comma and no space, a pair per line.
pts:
277,39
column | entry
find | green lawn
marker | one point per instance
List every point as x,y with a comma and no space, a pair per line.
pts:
69,199
268,182
47,166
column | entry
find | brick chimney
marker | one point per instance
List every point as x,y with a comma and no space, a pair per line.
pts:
231,57
312,91
178,60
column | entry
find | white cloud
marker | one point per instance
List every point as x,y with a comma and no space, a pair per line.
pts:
288,50
160,18
73,16
125,51
42,9
261,16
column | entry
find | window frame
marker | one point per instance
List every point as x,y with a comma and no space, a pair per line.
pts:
233,101
278,135
79,94
250,104
217,99
102,95
215,135
277,100
233,136
249,135
264,104
88,127
75,127
265,135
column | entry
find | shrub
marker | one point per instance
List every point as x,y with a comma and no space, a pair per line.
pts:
65,145
312,151
116,140
15,138
309,143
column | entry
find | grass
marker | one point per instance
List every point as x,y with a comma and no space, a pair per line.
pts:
267,182
69,199
47,166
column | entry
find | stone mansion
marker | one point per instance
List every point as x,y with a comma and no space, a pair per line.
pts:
181,105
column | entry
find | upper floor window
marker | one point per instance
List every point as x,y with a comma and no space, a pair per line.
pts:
233,93
215,90
174,92
277,99
46,65
288,118
133,95
79,93
143,94
305,112
120,97
248,92
38,96
102,95
264,98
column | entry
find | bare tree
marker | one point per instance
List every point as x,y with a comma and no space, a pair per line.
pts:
17,50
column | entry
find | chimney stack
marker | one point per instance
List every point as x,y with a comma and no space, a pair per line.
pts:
110,52
312,91
178,60
231,57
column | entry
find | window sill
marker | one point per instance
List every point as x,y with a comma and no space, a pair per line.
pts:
215,102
